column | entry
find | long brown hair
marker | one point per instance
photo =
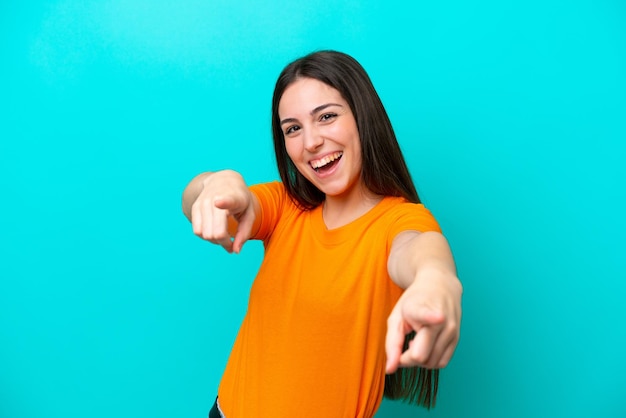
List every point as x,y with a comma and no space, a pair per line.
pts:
383,171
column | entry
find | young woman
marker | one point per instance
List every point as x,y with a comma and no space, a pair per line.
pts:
353,262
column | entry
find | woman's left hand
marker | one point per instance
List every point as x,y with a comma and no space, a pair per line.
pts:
430,306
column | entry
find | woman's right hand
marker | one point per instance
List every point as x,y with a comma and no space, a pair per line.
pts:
223,208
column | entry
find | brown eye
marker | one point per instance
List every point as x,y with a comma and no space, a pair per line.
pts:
292,129
327,116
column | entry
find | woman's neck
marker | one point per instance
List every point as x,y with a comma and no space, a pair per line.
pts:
338,211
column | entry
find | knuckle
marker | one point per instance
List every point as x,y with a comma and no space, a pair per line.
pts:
451,325
205,203
213,236
419,358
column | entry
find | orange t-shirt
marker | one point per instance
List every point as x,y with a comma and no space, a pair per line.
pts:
312,343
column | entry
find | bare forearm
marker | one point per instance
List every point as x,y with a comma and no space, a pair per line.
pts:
420,252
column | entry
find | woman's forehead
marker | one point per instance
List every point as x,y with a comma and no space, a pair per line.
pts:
306,94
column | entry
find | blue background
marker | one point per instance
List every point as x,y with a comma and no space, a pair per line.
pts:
511,116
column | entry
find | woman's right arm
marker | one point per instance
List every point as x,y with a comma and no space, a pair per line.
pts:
220,206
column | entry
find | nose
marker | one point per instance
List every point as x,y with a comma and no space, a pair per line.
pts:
312,140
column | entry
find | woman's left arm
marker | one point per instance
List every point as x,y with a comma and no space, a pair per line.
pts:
422,264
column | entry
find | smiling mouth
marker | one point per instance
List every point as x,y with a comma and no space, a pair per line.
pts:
327,162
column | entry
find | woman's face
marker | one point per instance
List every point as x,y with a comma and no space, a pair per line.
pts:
321,137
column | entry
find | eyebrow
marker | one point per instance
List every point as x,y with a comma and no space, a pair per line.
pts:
314,111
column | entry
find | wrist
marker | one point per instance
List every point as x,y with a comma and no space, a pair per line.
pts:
436,271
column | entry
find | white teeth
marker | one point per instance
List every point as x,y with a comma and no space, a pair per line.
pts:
326,160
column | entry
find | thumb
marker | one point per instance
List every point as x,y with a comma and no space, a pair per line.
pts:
426,316
228,203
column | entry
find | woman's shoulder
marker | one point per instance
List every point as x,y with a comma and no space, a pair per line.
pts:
398,204
273,197
408,215
273,191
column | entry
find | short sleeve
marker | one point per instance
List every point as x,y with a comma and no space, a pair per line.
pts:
410,217
272,197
